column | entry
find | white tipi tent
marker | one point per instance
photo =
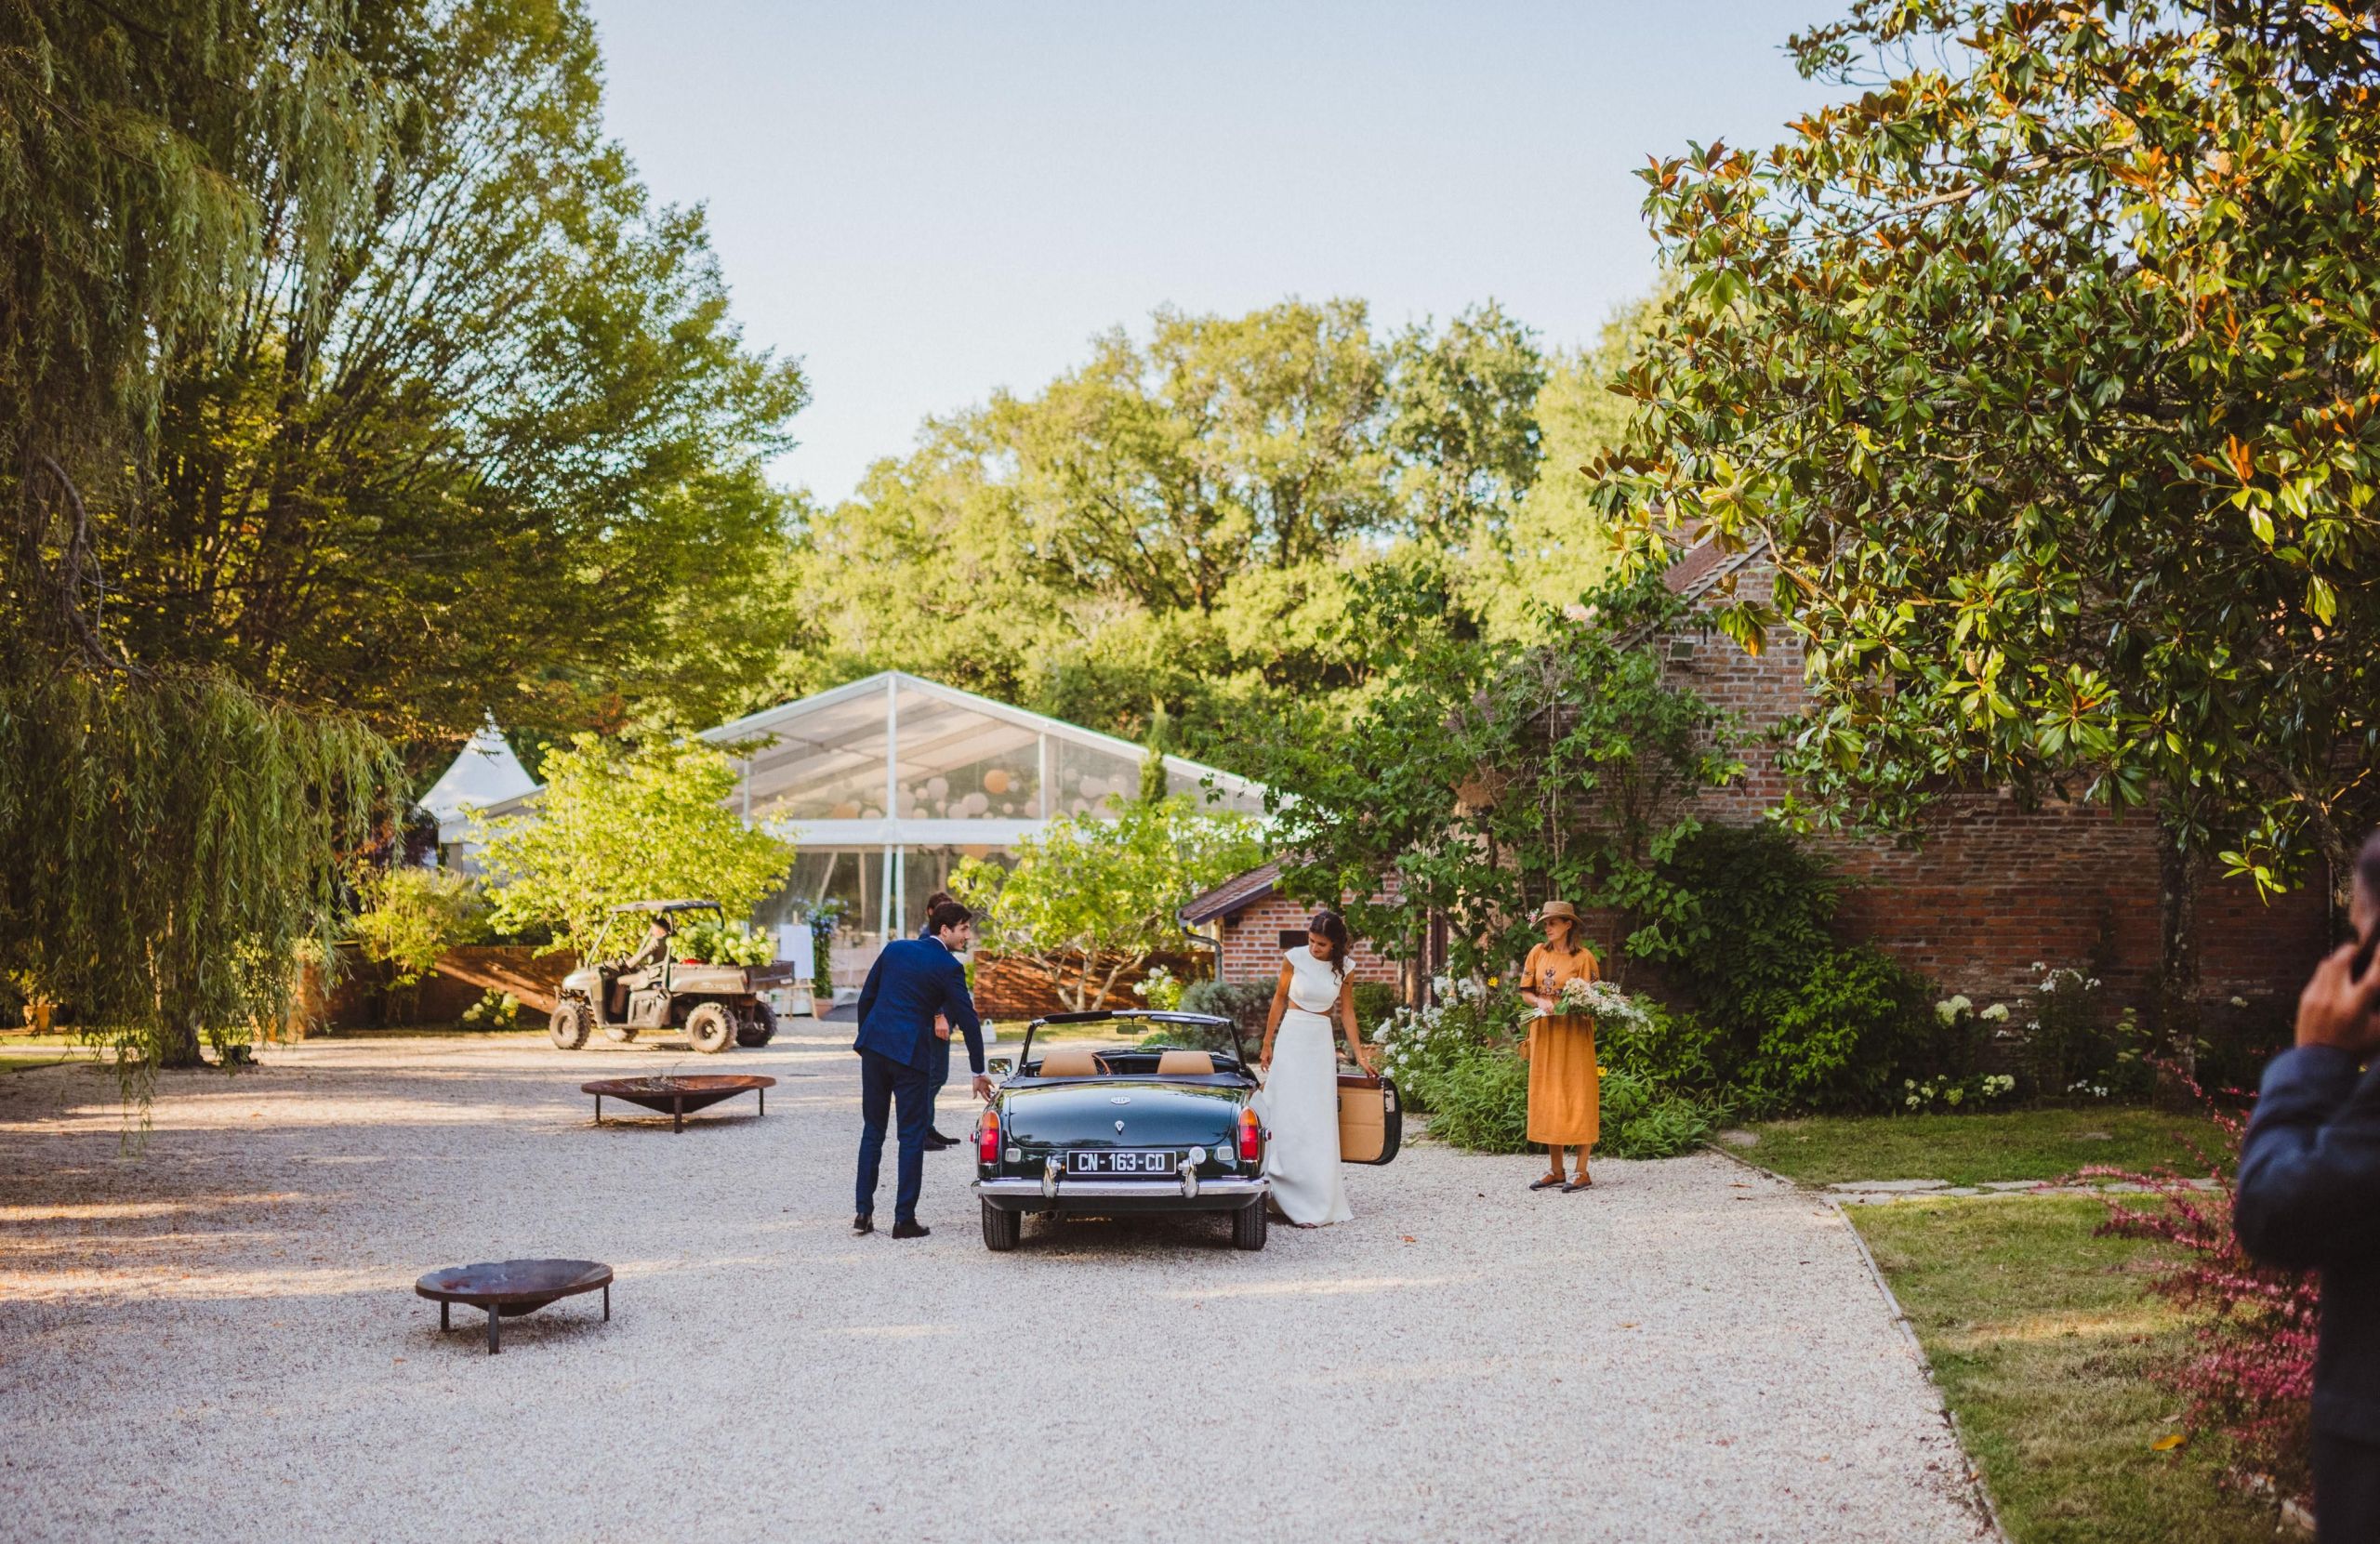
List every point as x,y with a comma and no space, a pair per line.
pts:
485,772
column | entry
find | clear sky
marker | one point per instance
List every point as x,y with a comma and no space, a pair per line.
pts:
924,202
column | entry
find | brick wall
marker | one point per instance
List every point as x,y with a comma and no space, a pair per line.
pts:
1252,941
1987,888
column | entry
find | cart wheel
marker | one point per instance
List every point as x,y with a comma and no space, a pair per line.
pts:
1001,1229
760,1026
710,1028
1248,1226
568,1025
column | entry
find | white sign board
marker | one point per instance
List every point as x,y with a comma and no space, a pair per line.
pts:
796,943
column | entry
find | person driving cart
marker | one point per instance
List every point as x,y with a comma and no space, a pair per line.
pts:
640,969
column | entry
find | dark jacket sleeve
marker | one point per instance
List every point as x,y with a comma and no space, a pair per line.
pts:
2308,1191
958,1007
867,992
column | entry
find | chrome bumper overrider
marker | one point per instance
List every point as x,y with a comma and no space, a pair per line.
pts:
1188,1186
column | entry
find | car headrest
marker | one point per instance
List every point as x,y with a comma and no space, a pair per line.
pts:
1070,1062
1184,1063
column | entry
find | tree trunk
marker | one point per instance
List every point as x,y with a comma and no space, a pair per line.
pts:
178,1041
2176,1023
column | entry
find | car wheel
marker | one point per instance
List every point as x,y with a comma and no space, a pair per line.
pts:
1001,1229
568,1024
710,1028
619,1035
760,1026
1248,1225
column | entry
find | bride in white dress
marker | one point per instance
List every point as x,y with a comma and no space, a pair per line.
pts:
1300,1093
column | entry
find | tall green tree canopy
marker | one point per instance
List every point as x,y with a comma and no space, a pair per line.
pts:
2048,365
348,385
1179,520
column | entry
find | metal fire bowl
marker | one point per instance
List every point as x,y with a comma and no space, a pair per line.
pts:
676,1096
512,1287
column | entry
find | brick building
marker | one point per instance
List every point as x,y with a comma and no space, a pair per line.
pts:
1250,923
1973,898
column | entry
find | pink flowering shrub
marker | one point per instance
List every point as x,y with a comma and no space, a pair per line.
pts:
2251,1375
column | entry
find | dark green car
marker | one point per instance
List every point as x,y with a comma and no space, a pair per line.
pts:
1155,1128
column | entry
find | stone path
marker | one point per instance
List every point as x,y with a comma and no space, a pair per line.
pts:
218,1338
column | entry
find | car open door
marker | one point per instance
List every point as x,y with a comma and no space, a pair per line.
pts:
1371,1121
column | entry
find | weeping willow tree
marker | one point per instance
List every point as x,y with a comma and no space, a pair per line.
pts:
169,838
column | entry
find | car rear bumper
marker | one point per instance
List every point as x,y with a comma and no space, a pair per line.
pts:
1123,1195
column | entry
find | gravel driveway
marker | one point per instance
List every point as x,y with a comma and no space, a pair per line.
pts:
218,1338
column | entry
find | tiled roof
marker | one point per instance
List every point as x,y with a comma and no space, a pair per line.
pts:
1241,889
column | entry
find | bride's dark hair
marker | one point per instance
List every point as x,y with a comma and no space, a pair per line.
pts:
1333,927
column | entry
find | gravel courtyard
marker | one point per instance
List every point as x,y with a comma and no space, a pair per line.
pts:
217,1338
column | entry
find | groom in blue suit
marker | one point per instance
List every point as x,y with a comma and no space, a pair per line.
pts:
913,979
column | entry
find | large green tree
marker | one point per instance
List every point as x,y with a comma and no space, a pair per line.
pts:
1179,521
2047,364
493,444
349,384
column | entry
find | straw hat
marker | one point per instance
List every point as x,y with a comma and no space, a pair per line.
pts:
1556,908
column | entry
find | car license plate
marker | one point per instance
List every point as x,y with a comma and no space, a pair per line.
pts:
1120,1163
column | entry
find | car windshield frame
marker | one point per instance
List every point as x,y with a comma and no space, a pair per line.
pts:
1129,1015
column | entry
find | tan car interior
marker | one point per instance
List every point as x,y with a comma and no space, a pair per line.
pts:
1362,1121
1185,1063
1072,1061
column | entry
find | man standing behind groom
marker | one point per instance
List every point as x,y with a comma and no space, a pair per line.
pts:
911,982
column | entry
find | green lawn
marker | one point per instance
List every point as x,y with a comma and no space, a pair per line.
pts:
2043,1342
1966,1149
28,1061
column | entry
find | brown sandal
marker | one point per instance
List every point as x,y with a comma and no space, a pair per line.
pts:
1546,1183
1582,1182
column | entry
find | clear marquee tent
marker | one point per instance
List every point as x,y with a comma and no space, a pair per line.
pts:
888,783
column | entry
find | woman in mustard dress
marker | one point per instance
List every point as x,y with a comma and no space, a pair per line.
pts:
1565,1091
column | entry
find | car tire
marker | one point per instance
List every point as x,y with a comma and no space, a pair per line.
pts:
1248,1226
1001,1229
567,1026
710,1029
759,1028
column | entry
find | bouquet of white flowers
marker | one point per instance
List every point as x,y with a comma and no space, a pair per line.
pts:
1602,1001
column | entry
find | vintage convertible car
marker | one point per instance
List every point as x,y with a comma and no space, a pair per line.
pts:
1083,1128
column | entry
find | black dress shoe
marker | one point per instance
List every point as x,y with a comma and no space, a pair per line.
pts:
864,1223
936,1142
910,1229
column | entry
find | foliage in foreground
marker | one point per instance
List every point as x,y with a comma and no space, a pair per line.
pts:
615,824
2250,1373
2046,365
2046,1351
175,851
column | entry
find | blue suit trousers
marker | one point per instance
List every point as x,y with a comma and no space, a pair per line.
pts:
886,1086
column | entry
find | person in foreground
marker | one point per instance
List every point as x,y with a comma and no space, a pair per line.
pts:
2309,1197
1565,1086
911,982
1300,1093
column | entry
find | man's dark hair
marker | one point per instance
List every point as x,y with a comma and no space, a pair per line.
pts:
940,898
946,913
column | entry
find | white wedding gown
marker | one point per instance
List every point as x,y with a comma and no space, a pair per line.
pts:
1301,1100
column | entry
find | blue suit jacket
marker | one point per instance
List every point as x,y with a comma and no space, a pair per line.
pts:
913,979
2308,1197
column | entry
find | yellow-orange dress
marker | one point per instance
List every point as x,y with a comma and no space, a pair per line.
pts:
1564,1089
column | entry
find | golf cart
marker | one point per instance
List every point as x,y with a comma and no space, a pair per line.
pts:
622,994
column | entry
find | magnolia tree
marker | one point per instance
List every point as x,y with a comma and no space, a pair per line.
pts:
2046,367
614,825
1092,898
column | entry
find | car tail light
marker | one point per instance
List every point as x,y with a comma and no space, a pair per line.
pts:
987,1138
1250,1137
